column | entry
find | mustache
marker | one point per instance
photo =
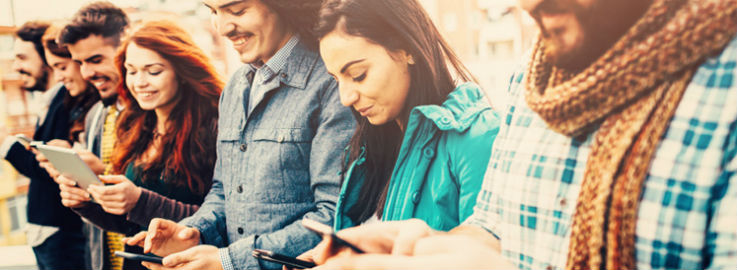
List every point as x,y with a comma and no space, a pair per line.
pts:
24,72
235,33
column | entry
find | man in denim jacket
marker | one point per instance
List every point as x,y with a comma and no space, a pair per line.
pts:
281,135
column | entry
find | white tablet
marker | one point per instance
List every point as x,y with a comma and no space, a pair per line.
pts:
69,164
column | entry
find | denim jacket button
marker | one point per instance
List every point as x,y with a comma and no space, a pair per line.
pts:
445,120
416,197
240,230
240,189
429,153
243,147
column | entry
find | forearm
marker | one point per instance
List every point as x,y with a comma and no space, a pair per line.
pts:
25,162
116,223
152,205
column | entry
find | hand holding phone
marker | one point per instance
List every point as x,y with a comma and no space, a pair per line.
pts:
327,231
139,257
287,261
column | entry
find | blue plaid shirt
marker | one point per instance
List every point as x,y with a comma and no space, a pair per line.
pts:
688,213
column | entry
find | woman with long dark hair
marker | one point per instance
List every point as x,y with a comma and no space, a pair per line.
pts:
425,130
165,144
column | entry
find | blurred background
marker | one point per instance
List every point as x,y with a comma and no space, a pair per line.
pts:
489,36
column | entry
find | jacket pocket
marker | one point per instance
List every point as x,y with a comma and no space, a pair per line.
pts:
287,155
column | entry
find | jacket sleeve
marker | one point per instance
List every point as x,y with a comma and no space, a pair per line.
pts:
25,162
94,213
335,126
470,158
154,205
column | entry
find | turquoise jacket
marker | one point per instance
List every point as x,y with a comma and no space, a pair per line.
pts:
440,166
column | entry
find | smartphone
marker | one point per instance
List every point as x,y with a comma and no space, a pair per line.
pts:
325,230
290,262
139,257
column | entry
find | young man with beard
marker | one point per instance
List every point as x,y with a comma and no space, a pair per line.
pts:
54,232
619,150
281,137
92,37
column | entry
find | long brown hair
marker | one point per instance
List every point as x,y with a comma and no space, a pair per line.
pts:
395,25
187,151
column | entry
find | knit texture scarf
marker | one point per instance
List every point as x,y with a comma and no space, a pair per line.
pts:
628,96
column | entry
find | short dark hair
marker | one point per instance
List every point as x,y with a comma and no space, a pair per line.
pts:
301,15
33,31
99,18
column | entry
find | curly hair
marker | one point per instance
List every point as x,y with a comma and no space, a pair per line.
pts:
301,15
32,32
187,152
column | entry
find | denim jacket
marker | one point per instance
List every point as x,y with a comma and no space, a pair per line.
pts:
440,166
277,164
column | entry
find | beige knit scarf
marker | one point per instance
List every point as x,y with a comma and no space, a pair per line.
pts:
630,93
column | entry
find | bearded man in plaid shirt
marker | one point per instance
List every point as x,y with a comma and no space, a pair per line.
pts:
617,151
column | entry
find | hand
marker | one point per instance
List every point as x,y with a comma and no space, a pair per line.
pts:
198,257
393,237
117,199
465,249
44,163
92,161
165,237
71,195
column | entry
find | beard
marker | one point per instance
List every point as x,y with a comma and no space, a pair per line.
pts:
42,82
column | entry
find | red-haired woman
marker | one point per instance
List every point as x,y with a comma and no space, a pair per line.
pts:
165,143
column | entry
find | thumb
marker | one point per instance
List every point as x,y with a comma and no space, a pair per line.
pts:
188,233
179,258
113,179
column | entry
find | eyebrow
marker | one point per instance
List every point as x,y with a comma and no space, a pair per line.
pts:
349,64
91,58
227,5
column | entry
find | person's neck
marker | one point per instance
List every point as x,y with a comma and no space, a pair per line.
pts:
261,62
162,117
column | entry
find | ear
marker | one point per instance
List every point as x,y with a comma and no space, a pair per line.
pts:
410,60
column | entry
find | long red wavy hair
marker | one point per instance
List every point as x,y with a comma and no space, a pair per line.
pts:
187,150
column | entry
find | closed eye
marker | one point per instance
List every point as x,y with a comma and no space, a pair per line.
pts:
360,77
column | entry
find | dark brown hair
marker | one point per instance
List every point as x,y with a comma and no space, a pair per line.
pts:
32,32
99,18
300,15
187,153
395,25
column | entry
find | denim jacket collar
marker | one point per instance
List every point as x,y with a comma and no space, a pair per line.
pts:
297,69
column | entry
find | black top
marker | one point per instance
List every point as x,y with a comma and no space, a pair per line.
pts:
44,202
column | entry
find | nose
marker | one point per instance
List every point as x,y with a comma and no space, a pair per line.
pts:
140,81
86,71
223,24
16,65
348,96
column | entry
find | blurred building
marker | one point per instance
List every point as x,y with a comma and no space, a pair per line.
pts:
490,37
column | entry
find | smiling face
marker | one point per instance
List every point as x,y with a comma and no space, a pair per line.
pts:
66,71
96,57
372,80
256,31
29,65
151,79
579,31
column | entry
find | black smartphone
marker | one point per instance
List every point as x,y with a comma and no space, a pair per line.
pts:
139,257
325,230
290,262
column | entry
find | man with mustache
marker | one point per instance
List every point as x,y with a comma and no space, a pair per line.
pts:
619,150
54,232
92,37
281,136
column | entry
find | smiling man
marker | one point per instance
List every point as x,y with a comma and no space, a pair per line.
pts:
619,150
92,37
281,136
